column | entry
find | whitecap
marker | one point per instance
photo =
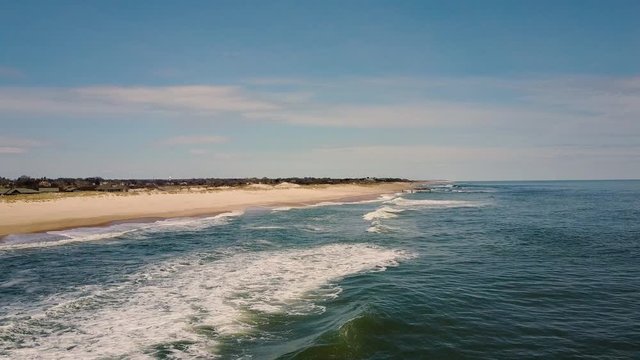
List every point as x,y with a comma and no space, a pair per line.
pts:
378,228
384,212
168,302
393,207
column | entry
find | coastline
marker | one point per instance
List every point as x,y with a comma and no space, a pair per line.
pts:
25,216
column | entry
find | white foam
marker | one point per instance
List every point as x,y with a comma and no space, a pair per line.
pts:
96,233
192,223
88,234
474,191
378,228
320,204
285,208
446,186
393,207
312,228
386,197
170,301
267,227
384,212
381,198
332,203
402,202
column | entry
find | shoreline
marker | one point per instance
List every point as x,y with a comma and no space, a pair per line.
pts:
28,217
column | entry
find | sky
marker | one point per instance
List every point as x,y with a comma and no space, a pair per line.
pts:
459,90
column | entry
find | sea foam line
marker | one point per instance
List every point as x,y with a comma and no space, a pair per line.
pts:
391,208
173,302
383,212
381,198
429,203
88,234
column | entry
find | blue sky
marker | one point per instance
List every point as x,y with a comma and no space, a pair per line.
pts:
459,90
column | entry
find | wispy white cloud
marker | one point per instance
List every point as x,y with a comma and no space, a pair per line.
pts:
608,99
11,150
198,152
478,154
16,145
204,99
277,81
195,140
193,100
409,115
560,105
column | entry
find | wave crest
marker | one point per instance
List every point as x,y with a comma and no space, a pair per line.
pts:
169,302
384,212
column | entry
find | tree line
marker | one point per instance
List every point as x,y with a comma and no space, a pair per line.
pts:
89,182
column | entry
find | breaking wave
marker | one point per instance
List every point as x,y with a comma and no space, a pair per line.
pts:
381,198
183,306
384,212
406,203
87,234
391,208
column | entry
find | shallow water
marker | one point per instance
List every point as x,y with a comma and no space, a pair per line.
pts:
476,270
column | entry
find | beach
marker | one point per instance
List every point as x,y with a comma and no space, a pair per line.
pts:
29,216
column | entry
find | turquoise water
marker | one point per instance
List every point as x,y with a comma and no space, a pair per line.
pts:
476,270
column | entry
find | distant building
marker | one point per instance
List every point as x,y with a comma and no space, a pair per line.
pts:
20,191
112,188
83,185
48,189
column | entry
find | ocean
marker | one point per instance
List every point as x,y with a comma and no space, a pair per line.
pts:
474,270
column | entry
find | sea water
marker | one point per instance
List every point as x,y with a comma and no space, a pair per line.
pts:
467,270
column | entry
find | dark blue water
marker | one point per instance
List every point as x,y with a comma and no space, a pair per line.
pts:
476,270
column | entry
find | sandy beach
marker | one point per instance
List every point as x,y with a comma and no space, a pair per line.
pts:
29,216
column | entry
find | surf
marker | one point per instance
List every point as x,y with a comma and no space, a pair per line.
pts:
172,302
136,229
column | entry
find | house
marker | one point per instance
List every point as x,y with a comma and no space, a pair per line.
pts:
18,191
83,185
3,190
